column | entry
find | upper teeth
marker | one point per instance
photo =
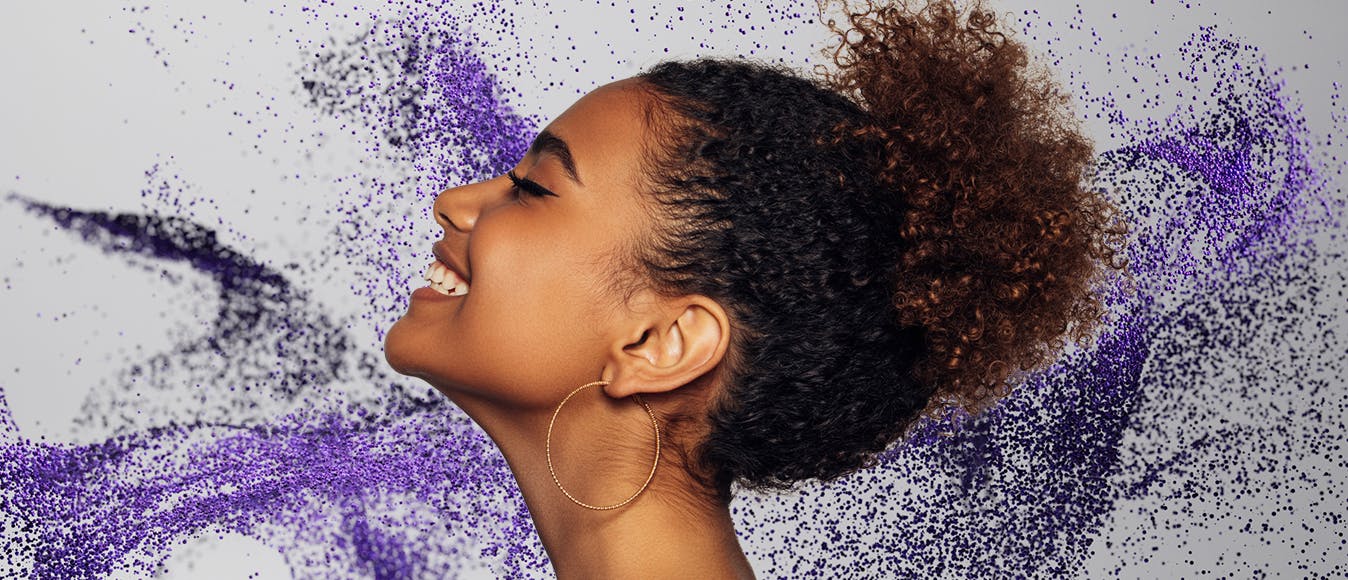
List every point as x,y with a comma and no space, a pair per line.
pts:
444,280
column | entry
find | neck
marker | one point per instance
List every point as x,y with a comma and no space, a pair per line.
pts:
672,529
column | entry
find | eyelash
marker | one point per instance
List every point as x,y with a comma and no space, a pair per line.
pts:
531,187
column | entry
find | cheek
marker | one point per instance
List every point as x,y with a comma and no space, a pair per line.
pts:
526,312
531,262
516,275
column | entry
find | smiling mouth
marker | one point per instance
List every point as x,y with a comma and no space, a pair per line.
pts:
444,280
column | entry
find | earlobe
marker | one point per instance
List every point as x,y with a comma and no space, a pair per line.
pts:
678,343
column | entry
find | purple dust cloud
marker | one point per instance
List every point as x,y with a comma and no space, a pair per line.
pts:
295,432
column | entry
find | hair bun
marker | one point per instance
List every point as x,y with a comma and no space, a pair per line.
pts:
984,162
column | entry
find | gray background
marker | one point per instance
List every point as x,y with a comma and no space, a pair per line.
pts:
90,105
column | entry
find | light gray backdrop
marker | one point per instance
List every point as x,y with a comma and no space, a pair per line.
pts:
97,93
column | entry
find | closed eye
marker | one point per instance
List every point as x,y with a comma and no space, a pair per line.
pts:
529,186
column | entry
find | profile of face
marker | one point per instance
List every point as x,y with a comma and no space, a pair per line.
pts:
539,258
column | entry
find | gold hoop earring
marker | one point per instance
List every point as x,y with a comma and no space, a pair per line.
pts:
547,450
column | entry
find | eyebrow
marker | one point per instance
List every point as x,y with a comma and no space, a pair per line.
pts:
547,142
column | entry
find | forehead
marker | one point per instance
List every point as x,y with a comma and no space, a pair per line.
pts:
606,131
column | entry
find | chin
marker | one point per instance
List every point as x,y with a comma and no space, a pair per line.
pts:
412,352
417,350
400,350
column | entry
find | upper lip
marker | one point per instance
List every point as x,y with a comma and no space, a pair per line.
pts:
443,255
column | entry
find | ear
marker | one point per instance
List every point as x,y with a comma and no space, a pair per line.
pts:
668,345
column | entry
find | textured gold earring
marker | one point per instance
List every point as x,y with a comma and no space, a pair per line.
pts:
547,450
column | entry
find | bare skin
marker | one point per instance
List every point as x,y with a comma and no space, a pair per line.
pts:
540,319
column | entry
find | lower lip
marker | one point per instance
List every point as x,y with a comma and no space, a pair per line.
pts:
425,293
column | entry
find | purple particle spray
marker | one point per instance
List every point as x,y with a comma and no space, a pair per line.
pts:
391,483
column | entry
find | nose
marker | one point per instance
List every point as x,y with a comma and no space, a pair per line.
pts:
458,208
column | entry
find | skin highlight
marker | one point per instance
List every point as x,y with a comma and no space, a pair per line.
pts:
541,318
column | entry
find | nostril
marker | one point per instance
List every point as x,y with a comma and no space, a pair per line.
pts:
445,222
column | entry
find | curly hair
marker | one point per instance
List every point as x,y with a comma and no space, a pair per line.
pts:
897,237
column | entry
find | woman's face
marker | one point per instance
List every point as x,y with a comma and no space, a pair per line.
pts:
537,319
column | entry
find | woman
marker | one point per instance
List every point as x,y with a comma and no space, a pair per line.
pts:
718,273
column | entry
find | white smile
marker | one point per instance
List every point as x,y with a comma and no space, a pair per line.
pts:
444,280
